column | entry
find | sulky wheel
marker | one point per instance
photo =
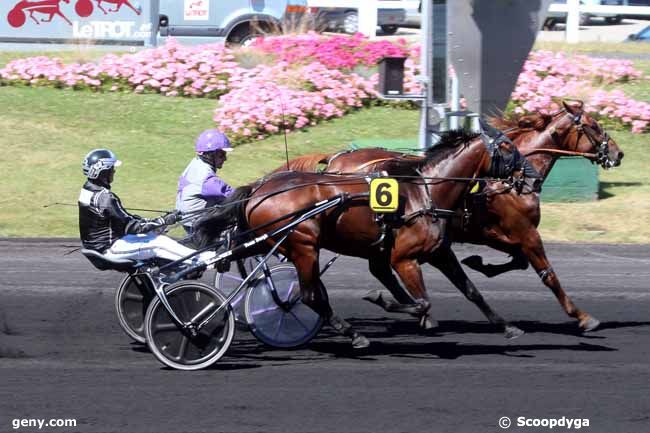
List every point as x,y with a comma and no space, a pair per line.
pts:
177,347
227,282
131,301
16,17
283,321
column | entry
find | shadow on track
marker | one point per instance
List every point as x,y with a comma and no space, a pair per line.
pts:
448,349
387,327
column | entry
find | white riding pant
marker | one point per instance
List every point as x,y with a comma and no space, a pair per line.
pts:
149,245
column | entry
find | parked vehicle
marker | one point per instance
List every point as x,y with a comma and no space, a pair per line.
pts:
236,21
553,18
413,16
347,19
642,36
645,3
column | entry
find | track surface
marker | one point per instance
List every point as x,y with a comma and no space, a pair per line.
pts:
63,355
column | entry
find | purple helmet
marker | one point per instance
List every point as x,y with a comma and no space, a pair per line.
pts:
211,140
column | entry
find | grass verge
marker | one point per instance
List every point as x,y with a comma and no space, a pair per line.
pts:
47,132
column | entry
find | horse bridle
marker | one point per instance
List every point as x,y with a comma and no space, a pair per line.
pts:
601,156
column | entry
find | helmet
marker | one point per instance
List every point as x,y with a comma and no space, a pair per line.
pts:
211,140
97,161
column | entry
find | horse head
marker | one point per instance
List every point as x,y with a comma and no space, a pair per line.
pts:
571,131
591,137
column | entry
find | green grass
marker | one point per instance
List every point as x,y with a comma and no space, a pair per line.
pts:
623,212
594,47
46,133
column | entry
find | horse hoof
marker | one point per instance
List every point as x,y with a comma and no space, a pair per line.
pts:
512,332
360,342
428,323
589,324
373,296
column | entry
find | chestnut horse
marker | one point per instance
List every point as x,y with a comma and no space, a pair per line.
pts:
351,229
500,215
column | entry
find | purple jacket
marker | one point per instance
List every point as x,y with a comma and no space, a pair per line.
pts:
199,187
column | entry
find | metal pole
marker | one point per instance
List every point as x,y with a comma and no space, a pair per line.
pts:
426,44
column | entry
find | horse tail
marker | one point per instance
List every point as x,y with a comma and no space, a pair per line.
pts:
308,163
209,226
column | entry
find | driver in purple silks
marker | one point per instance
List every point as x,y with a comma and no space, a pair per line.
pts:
198,186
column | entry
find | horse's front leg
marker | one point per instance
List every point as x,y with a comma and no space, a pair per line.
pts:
533,247
380,268
410,273
446,261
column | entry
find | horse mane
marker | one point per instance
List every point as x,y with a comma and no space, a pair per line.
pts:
213,222
449,141
308,163
517,124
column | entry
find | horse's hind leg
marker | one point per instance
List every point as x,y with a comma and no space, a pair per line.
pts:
315,296
533,247
380,268
446,261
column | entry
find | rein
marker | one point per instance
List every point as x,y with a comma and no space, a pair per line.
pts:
561,152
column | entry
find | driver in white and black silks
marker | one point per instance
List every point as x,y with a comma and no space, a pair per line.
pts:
199,186
106,227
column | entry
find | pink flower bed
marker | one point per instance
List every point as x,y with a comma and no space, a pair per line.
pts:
337,52
548,77
314,78
267,97
172,69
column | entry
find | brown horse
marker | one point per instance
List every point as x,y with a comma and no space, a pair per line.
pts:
502,216
416,237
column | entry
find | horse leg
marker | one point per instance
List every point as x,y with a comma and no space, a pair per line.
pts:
519,262
533,247
446,261
315,296
99,5
128,3
410,273
380,268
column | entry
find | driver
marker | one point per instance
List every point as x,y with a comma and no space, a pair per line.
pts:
198,186
107,228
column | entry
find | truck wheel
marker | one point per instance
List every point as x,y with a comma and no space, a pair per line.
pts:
351,22
389,29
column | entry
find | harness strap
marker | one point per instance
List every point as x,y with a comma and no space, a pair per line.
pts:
374,161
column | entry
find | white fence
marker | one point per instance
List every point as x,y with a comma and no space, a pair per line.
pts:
367,10
573,9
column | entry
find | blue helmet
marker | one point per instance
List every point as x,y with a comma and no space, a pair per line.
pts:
97,161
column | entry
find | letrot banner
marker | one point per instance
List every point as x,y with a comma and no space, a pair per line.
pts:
114,22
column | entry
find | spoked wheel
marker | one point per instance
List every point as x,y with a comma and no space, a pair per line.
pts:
227,282
131,301
282,321
178,348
